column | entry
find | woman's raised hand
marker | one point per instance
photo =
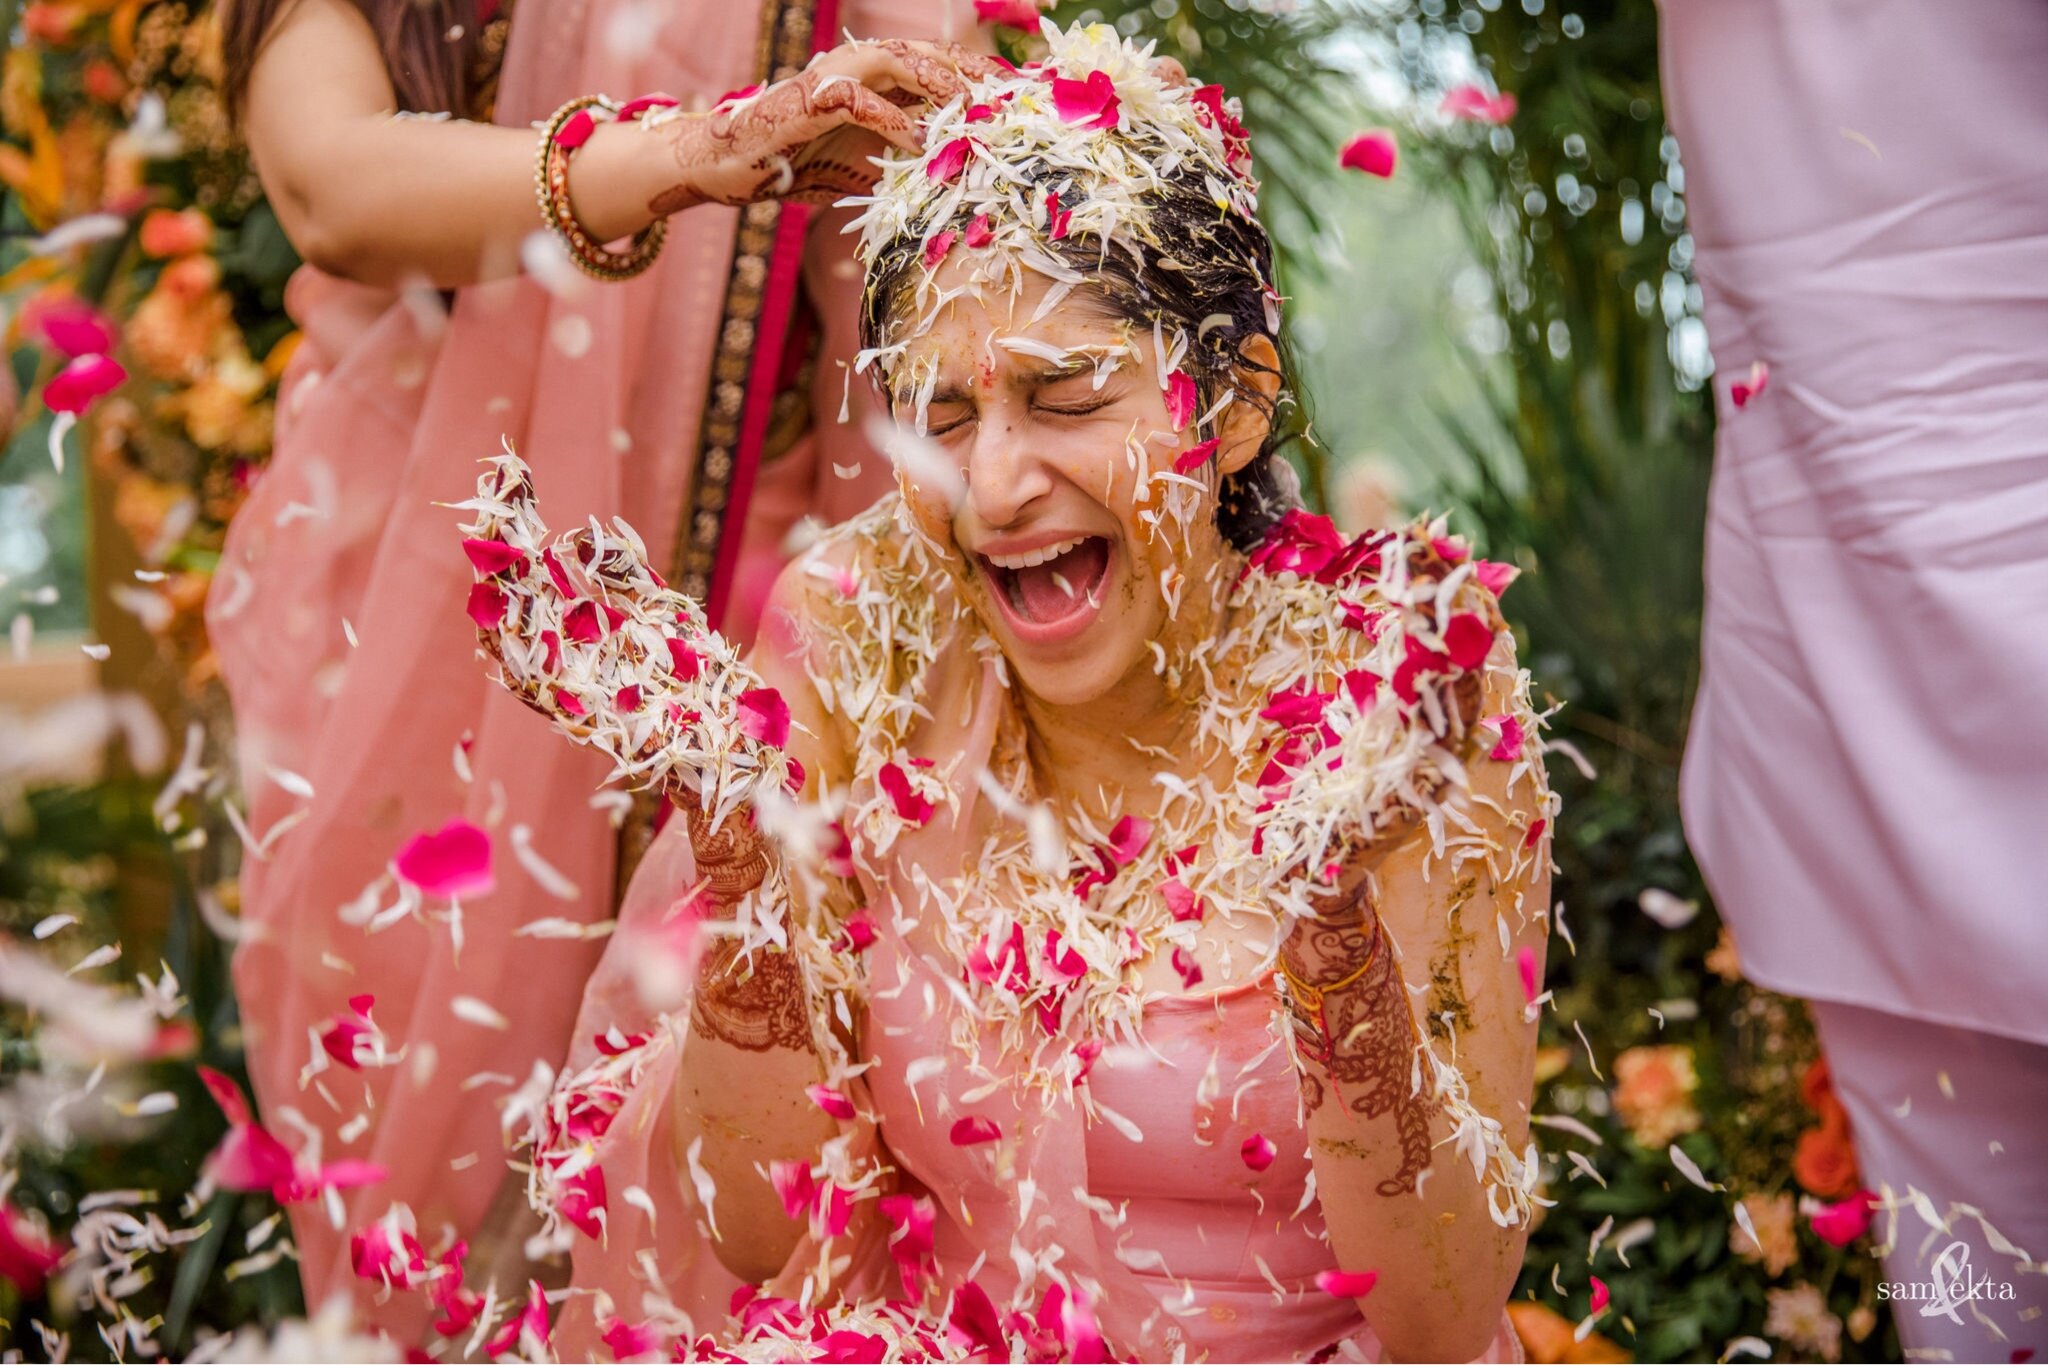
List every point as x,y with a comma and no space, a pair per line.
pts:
809,138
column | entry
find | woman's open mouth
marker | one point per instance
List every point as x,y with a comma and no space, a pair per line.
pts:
1051,593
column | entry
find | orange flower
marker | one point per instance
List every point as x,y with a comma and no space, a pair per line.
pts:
175,232
1547,1338
1653,1093
1824,1163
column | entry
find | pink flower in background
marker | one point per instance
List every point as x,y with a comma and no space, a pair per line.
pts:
453,861
1374,153
1092,103
175,232
83,382
1017,14
1471,102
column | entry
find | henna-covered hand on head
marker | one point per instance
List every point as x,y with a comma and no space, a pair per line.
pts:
809,138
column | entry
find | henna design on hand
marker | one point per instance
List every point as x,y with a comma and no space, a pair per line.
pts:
754,1001
1353,1028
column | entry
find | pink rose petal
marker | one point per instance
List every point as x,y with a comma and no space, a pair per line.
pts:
684,661
951,159
627,1342
936,247
764,716
532,1319
1017,14
1841,1223
911,805
69,326
831,1101
1056,220
1181,903
1494,576
1531,972
487,604
1128,837
1180,399
979,232
1468,640
1474,104
1600,1295
793,1182
1374,153
81,383
1258,1151
1512,737
491,556
576,130
974,1129
1195,456
1092,103
453,861
1190,971
1741,391
1347,1284
26,1256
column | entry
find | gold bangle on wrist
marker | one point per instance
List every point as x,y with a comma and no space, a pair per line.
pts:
551,190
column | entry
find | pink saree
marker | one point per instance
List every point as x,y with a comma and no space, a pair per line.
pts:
338,618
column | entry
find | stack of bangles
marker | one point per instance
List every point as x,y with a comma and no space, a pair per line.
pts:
567,130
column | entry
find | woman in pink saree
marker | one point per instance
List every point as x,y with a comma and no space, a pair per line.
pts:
362,720
1104,914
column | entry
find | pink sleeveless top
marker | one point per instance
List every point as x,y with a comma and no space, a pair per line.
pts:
1229,1254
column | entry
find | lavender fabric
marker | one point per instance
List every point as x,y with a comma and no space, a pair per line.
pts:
1866,780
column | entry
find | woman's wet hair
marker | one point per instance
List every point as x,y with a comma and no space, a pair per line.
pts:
1197,270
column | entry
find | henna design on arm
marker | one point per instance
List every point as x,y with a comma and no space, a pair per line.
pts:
753,1001
1353,1029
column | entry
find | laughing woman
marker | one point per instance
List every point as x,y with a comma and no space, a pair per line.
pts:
1104,909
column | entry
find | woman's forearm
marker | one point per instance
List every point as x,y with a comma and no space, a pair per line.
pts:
740,1098
386,200
1398,1197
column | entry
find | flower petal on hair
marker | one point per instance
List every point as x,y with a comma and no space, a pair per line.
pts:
936,247
454,860
1092,102
1195,456
1180,399
1374,153
979,233
1181,903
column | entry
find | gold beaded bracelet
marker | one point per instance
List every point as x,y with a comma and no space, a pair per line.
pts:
565,131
